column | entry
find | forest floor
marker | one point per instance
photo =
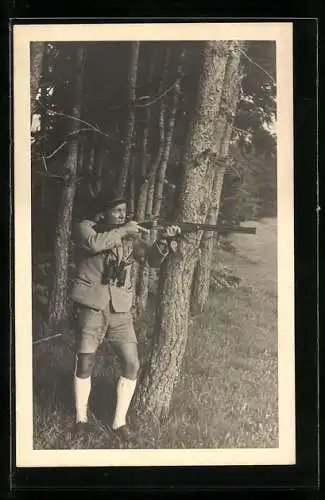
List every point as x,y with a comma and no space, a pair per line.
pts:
226,396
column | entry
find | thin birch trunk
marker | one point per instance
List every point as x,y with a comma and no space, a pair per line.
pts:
161,126
131,201
145,137
142,198
161,174
133,70
149,187
167,145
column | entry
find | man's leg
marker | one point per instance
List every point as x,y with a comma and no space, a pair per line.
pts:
90,333
128,354
82,384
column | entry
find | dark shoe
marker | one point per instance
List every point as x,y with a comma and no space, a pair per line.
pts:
82,429
125,434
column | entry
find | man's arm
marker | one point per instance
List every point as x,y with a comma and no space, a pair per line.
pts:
87,237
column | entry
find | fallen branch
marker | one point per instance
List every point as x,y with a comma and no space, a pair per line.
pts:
45,339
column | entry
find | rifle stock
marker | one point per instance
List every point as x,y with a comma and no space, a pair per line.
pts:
188,227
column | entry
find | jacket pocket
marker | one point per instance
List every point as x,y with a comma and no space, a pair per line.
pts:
92,295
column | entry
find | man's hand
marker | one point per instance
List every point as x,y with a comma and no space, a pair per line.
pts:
171,232
132,228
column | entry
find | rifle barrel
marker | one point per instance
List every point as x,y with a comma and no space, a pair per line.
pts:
223,228
190,227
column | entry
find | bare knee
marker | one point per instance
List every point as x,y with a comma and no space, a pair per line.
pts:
84,365
131,367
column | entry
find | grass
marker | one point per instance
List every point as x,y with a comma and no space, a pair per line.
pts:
226,396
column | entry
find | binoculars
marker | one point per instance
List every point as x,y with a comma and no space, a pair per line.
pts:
114,272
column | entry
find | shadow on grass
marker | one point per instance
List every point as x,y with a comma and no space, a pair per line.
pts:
53,398
52,382
102,399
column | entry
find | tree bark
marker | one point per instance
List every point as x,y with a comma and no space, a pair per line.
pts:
142,198
131,203
36,61
201,281
58,302
160,373
148,193
167,145
161,127
145,137
201,278
133,70
161,173
141,205
142,287
154,168
148,196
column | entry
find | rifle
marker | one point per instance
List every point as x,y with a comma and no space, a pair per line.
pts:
186,227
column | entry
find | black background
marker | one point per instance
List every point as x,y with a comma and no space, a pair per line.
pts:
304,476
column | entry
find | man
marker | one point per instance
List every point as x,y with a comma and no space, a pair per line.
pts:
103,294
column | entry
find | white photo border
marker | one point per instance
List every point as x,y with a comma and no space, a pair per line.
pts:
281,33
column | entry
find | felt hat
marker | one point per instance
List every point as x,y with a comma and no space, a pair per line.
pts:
106,201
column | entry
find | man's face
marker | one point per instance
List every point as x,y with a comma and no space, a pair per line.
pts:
116,215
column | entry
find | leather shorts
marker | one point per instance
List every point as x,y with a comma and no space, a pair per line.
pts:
93,326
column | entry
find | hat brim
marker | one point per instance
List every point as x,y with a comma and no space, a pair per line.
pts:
107,204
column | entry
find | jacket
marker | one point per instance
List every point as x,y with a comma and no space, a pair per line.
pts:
95,252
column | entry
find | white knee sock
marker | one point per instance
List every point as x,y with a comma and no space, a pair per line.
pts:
82,388
125,391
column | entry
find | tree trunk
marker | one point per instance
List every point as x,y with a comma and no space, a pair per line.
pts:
201,278
167,145
201,281
141,205
58,302
161,127
36,61
144,272
142,287
161,173
143,192
145,137
131,201
133,70
159,375
154,168
141,270
149,189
